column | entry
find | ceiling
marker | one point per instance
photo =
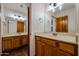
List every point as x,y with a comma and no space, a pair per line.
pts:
68,6
65,6
21,7
18,7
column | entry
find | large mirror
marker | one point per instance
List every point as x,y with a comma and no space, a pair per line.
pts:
15,19
61,18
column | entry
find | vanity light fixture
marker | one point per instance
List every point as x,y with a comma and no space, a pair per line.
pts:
15,17
22,18
18,17
50,7
53,6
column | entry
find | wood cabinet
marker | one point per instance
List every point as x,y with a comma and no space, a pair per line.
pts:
51,47
49,42
7,44
24,40
62,53
14,42
40,48
50,51
67,47
43,49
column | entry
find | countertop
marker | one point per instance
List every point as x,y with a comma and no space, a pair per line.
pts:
65,38
16,34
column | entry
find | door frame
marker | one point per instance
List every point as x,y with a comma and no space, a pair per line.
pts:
29,32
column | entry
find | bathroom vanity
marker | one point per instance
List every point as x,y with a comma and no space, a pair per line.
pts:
50,45
14,41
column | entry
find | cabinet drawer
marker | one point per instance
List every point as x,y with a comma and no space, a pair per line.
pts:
62,53
16,42
4,45
50,51
67,47
39,48
49,42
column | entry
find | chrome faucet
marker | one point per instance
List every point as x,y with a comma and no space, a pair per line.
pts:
55,34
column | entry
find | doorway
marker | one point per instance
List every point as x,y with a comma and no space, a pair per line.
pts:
62,24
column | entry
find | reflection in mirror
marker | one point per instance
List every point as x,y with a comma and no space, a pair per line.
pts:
12,26
13,17
62,19
15,29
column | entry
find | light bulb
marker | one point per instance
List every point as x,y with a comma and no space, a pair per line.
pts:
49,8
15,17
60,7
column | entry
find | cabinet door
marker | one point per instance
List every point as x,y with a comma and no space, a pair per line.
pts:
24,40
62,53
16,42
7,44
4,45
39,48
50,51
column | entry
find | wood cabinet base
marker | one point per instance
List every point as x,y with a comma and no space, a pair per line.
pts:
14,42
50,47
